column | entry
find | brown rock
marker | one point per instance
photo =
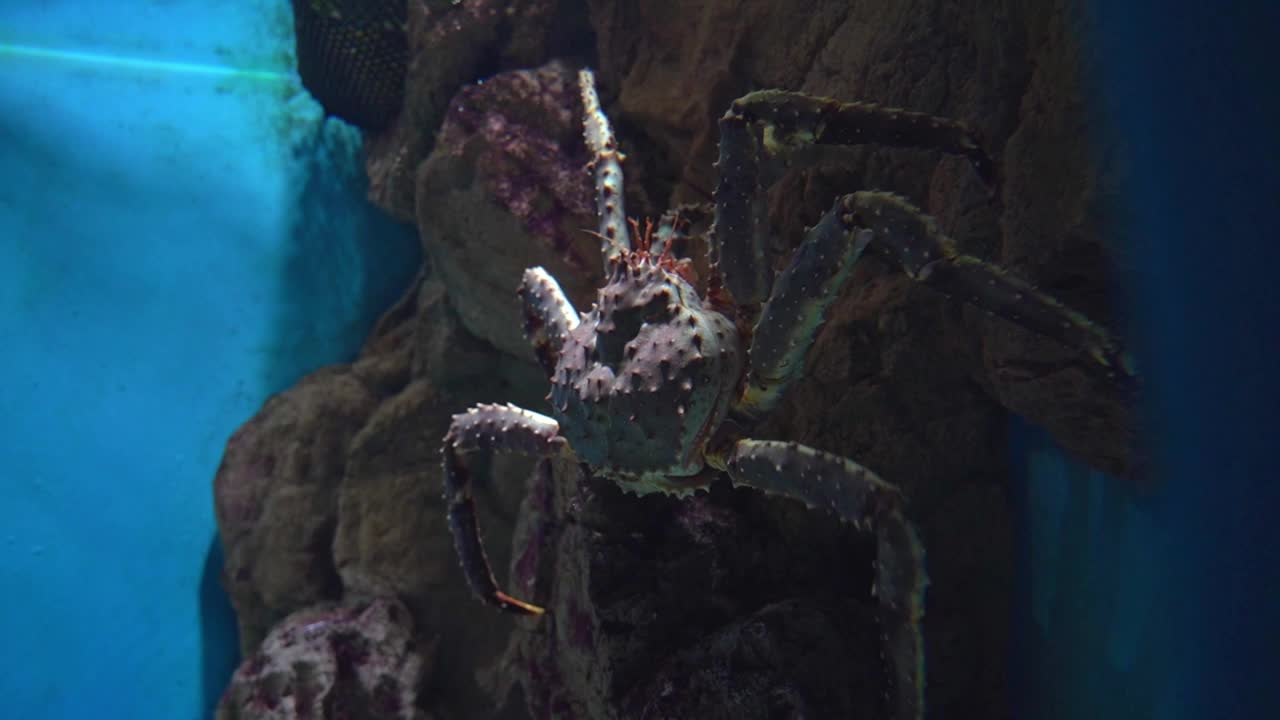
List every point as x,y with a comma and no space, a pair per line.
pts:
276,499
333,492
506,189
393,538
452,44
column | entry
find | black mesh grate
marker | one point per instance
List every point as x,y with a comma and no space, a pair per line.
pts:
352,55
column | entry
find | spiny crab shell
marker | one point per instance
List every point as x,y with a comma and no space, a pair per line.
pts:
645,376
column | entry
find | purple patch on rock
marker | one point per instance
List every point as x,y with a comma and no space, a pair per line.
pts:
315,662
539,504
534,157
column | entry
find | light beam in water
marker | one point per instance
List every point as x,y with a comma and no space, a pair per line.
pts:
162,66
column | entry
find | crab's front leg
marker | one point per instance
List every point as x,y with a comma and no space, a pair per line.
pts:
856,495
489,429
910,239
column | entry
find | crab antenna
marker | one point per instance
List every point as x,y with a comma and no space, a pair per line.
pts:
619,251
642,239
606,162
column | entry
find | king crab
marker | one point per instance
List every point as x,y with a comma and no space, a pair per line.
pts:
658,386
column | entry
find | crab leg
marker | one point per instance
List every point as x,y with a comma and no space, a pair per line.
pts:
489,429
548,316
740,232
910,239
797,307
606,162
857,496
794,120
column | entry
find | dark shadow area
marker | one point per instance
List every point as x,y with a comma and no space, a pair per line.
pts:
219,641
346,263
1190,91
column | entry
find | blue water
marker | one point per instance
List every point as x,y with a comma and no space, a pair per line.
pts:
181,234
1167,605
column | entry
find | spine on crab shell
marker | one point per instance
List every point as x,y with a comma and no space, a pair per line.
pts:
907,237
606,163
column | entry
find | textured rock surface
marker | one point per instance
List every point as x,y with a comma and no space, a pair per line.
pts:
333,491
727,602
276,499
505,189
352,662
452,44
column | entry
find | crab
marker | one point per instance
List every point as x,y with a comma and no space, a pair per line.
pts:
658,386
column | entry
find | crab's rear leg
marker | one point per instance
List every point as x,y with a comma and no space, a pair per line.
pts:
606,164
856,495
489,429
797,307
910,239
788,121
793,120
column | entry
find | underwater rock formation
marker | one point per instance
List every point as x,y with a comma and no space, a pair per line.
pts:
353,661
275,496
728,600
333,491
452,44
504,189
